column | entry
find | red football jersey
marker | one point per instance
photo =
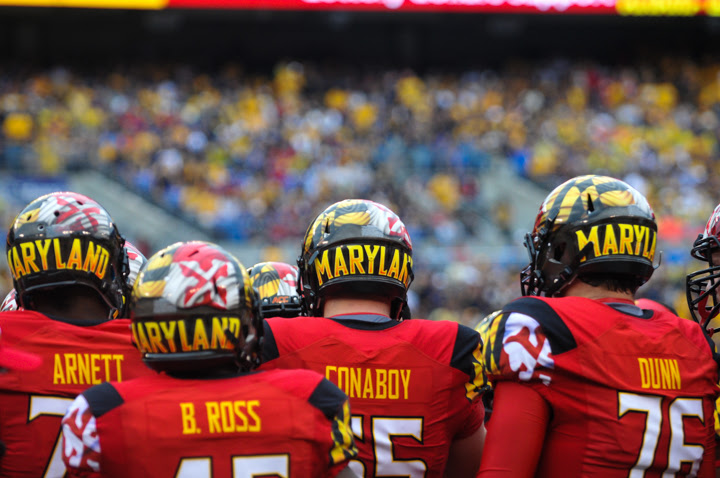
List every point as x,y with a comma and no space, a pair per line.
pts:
284,423
414,385
631,391
32,404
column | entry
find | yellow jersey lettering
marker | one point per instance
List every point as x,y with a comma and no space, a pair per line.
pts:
86,369
58,372
659,374
189,424
233,416
367,383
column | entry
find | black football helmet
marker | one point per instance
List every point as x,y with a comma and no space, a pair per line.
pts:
701,286
276,284
63,239
589,224
354,247
193,309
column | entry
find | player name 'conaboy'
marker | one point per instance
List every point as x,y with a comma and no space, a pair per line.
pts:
226,416
45,254
659,373
87,369
609,239
185,336
373,383
367,259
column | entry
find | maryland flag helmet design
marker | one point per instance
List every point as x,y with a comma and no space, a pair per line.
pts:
356,247
62,239
701,286
193,308
276,284
589,224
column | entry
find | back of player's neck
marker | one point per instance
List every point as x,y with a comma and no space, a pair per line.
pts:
340,306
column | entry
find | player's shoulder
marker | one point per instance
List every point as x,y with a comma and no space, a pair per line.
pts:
522,340
103,398
307,385
544,315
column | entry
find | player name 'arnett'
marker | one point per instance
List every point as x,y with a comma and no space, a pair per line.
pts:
374,383
87,369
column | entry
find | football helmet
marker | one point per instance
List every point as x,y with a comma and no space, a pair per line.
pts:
701,286
355,247
193,308
63,239
589,224
276,284
10,302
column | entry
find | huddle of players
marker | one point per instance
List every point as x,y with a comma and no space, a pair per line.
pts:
230,382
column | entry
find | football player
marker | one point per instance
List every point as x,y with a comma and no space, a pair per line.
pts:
414,385
193,313
69,270
701,288
276,284
598,386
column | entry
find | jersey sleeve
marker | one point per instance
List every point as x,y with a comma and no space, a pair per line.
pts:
335,405
80,442
521,341
468,358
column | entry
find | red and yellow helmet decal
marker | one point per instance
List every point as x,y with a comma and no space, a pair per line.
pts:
569,201
360,212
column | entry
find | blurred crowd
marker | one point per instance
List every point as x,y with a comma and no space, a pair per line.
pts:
253,156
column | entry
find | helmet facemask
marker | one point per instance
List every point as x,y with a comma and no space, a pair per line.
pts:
701,286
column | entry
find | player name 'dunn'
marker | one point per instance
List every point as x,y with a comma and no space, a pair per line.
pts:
659,373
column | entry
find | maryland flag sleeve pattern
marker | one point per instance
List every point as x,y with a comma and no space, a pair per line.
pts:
516,348
343,444
335,405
